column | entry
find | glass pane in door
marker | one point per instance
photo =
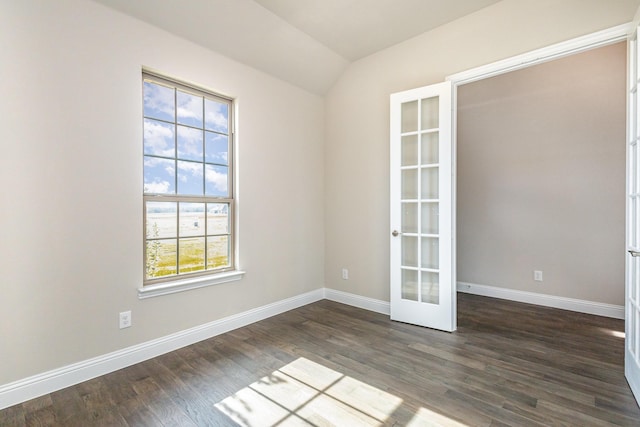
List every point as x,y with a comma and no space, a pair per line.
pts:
633,235
430,217
632,337
430,287
430,113
409,251
430,253
409,117
429,183
410,284
409,218
429,148
410,150
633,273
409,184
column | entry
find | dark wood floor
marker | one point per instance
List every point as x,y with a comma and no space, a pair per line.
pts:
508,364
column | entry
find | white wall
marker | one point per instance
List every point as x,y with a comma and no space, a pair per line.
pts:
71,173
541,177
357,115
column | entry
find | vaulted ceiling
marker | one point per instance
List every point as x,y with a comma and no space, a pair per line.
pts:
308,43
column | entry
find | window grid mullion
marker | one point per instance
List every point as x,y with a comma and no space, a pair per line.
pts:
206,235
175,188
178,238
204,168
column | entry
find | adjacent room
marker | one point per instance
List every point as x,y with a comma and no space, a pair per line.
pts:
197,228
541,178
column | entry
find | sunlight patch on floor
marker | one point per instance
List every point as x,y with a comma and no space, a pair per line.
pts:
305,393
617,334
424,417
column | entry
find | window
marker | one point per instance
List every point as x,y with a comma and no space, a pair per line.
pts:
188,185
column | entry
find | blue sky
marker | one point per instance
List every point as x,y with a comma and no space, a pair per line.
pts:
181,131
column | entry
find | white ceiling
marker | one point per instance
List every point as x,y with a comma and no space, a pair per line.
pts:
308,43
357,28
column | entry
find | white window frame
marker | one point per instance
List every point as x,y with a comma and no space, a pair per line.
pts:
191,280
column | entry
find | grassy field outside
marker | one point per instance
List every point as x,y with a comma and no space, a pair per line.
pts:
166,256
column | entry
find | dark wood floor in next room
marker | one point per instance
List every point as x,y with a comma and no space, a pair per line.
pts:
330,364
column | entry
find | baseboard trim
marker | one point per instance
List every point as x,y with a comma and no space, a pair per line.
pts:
48,382
357,301
581,306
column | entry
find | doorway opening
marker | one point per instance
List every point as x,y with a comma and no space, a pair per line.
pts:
541,182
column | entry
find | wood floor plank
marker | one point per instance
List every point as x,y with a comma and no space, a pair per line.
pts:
496,413
13,416
509,364
39,411
530,413
69,407
570,415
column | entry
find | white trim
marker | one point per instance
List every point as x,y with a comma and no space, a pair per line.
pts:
181,285
581,306
556,51
357,301
56,379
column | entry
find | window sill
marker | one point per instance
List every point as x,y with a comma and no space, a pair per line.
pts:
181,285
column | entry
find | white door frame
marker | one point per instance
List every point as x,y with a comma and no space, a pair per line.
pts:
601,38
545,54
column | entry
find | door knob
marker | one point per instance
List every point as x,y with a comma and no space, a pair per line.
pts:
395,233
634,253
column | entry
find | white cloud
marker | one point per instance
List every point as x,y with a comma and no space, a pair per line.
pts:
189,143
151,162
156,187
190,107
158,139
219,120
159,98
218,179
189,168
216,114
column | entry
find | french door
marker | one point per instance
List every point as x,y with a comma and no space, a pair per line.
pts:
422,247
632,296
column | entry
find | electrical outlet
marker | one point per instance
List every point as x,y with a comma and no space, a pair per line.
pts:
125,319
537,275
345,274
